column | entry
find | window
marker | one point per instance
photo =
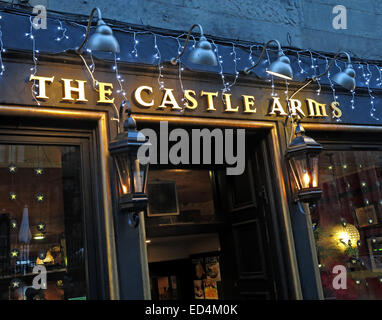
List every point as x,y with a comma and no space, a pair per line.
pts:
41,222
347,222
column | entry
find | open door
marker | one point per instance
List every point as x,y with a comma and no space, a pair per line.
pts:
248,259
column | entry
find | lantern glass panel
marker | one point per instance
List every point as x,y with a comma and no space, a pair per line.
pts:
299,168
140,171
123,162
314,170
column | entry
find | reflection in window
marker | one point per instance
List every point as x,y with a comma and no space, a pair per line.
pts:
347,222
41,222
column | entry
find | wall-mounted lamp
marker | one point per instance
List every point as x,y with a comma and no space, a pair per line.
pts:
102,39
132,174
302,156
279,68
344,78
202,54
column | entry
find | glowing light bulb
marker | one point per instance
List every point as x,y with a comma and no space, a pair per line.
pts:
344,237
124,188
306,179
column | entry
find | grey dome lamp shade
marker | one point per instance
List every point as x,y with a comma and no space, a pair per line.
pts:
344,78
202,54
280,68
102,39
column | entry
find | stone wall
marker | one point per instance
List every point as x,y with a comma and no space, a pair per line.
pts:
305,24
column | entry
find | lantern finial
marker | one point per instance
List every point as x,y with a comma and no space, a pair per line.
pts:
299,130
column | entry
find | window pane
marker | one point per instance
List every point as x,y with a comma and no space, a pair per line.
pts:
348,223
41,222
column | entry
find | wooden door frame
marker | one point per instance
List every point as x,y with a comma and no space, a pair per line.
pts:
276,159
100,119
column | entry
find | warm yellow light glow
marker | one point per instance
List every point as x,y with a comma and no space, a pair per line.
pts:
148,241
124,189
306,179
346,236
343,237
39,236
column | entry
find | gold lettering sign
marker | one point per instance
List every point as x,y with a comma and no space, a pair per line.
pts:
277,108
210,99
145,97
105,89
169,100
249,101
228,105
316,109
295,108
139,99
190,98
41,85
68,89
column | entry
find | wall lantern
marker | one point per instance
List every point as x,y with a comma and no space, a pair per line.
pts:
279,68
302,156
202,54
102,39
132,175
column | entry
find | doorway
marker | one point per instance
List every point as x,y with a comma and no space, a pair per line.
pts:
212,236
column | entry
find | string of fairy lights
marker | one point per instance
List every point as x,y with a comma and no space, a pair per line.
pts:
35,51
306,61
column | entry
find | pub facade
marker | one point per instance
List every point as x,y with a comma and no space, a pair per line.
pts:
179,228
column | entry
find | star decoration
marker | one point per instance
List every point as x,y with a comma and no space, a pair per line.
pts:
15,284
42,254
12,168
39,197
60,283
14,253
12,196
41,226
13,224
39,171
